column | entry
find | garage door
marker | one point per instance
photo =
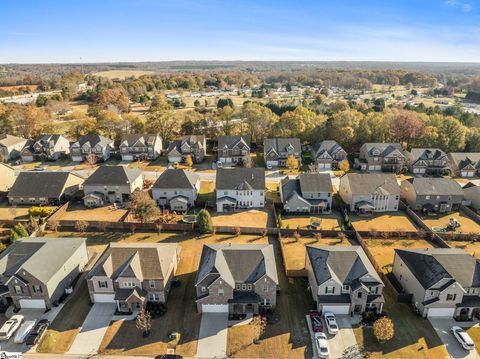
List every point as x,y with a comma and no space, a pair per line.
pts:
214,308
441,312
32,303
104,298
127,157
336,309
466,174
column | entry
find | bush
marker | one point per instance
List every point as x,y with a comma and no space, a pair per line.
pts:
383,329
40,211
204,221
156,309
18,232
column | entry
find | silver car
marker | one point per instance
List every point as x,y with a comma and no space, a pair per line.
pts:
463,338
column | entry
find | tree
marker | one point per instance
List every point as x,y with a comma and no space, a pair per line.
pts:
204,221
143,207
110,124
53,225
344,165
406,126
298,123
144,321
291,163
188,161
81,226
259,119
113,99
225,102
17,232
383,329
379,105
161,120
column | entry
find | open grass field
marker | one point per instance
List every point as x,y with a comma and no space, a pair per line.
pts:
78,212
294,251
251,218
122,74
30,88
396,221
331,222
468,225
383,250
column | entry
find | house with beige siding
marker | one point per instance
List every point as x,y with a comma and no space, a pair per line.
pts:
327,155
93,147
11,147
427,161
465,165
176,189
194,146
385,157
7,179
46,148
232,150
143,147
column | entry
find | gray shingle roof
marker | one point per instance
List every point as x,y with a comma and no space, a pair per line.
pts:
232,141
280,144
426,154
39,184
93,139
139,139
177,178
113,175
240,177
329,146
436,186
367,183
461,159
315,182
384,148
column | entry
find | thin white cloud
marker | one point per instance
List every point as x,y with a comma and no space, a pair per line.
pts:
452,2
467,7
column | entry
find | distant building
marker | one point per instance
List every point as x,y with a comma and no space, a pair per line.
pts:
327,155
46,147
143,147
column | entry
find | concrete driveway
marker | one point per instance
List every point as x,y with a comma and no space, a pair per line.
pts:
212,339
442,327
344,340
93,329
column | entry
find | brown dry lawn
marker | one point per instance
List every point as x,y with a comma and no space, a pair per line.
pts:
474,333
384,222
472,248
468,225
78,212
122,74
383,250
12,213
327,222
272,193
207,191
251,218
160,164
294,251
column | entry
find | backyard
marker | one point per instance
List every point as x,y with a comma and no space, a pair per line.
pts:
9,213
467,225
391,222
331,222
207,191
252,218
78,212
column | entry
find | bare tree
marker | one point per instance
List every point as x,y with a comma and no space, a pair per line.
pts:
81,226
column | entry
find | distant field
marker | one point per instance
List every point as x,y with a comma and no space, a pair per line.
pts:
122,74
31,88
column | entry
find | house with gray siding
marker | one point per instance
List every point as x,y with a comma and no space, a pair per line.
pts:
233,149
276,151
386,157
343,281
443,282
307,193
327,155
429,161
194,146
176,189
432,195
34,272
92,146
7,179
367,193
11,147
465,165
46,148
132,274
236,278
111,184
471,193
140,147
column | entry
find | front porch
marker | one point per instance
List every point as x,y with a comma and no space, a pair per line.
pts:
129,300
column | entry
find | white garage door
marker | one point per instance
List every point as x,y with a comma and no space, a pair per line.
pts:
214,308
466,174
336,309
104,298
441,312
127,157
321,165
32,303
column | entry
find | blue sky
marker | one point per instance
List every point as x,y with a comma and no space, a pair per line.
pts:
155,30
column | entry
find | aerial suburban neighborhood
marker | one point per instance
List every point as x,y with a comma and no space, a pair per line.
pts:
305,183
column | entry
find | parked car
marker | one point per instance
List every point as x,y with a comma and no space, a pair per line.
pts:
322,345
24,331
331,323
37,332
463,338
10,326
219,164
316,321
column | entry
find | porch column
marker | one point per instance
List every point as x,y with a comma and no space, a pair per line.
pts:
118,305
380,308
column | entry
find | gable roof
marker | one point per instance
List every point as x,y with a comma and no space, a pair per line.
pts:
436,186
281,144
41,257
237,263
368,183
346,265
426,153
329,146
140,260
240,178
93,139
430,265
113,175
315,182
384,148
139,140
9,140
462,159
8,177
40,184
177,178
44,140
232,141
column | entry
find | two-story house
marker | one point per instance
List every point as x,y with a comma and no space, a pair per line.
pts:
44,188
92,146
236,278
11,147
143,147
443,282
111,184
233,149
386,157
366,193
465,165
238,188
132,274
308,193
342,280
34,272
176,189
276,151
430,161
46,147
7,179
194,146
471,193
432,195
327,155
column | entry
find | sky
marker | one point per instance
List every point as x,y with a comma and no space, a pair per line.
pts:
64,31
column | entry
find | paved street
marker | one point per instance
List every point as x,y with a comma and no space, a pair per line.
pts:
212,341
442,327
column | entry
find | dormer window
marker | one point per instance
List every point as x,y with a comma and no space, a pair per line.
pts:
102,284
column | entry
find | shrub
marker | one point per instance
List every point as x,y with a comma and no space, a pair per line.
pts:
383,329
204,221
81,226
238,231
17,232
40,211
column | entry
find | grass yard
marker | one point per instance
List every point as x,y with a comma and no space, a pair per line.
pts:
251,218
383,250
330,222
160,164
474,333
207,191
398,222
11,213
63,330
472,248
468,225
272,193
51,165
414,336
78,212
122,74
294,251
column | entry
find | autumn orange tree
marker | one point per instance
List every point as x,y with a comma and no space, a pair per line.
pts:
383,329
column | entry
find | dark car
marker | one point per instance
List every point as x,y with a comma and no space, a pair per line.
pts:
169,356
37,332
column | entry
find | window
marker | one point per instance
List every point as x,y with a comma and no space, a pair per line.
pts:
329,290
37,289
267,301
102,284
359,295
265,287
221,292
249,287
427,197
244,286
151,283
373,290
400,274
346,287
129,284
203,289
451,297
154,297
18,289
238,286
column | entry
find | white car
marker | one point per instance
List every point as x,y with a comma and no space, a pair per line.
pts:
463,338
23,331
322,345
10,326
219,164
331,323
